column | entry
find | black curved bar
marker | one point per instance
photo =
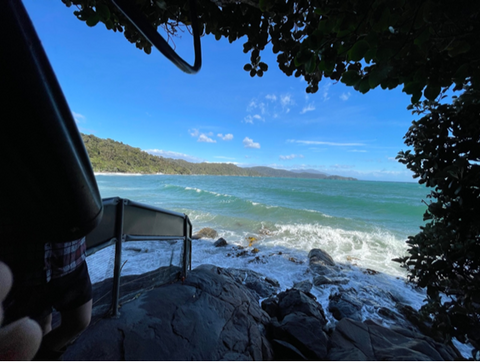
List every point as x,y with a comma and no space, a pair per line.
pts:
135,16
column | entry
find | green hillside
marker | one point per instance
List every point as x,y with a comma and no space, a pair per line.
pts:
107,155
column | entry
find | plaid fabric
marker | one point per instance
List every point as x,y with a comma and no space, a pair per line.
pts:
63,258
36,264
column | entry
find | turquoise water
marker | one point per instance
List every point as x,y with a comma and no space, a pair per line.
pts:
364,221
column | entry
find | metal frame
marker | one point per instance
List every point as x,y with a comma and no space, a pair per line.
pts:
118,238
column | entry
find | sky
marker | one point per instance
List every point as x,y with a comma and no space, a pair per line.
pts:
220,114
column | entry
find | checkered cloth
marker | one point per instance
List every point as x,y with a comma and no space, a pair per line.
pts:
36,264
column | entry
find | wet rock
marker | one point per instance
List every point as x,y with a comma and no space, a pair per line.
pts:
322,280
354,340
293,300
270,305
209,316
220,242
304,286
320,257
298,321
343,305
208,233
256,282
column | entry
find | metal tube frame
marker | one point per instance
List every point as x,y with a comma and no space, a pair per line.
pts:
118,258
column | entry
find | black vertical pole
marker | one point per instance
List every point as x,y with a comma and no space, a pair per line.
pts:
118,257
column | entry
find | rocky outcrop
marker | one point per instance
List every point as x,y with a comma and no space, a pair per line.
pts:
208,317
214,314
368,341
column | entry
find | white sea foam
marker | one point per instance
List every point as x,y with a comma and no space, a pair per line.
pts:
117,174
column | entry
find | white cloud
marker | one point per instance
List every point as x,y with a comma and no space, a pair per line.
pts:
248,143
342,167
210,134
194,132
227,137
290,157
204,138
308,108
325,143
271,97
79,118
357,151
345,96
325,90
286,100
172,154
248,119
226,158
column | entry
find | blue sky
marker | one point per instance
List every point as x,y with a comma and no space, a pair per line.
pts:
220,114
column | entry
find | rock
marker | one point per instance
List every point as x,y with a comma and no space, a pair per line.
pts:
321,257
304,333
297,320
344,305
322,280
256,282
220,242
251,240
208,233
293,300
304,286
208,317
270,306
354,340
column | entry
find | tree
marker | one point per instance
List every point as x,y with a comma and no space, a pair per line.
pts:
425,46
445,255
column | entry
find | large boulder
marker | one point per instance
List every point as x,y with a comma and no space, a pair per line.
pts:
320,257
345,305
368,341
207,317
208,233
262,286
297,328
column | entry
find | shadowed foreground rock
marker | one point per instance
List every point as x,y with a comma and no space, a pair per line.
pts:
209,317
215,315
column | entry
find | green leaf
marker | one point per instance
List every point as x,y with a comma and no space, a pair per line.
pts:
93,19
459,47
104,12
431,92
358,50
247,67
412,87
311,64
363,86
350,77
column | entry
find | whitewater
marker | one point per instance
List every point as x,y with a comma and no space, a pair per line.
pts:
362,225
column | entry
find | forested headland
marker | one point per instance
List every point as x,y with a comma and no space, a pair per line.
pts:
107,155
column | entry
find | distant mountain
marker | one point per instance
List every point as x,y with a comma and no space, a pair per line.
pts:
308,170
107,155
274,172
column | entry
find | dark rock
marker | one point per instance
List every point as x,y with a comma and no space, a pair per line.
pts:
293,300
344,305
208,317
354,340
303,332
321,257
208,233
270,306
284,351
263,287
220,242
304,286
322,280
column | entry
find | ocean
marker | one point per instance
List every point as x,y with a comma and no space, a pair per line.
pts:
363,225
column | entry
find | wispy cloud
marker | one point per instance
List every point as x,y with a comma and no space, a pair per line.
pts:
271,97
290,157
326,143
248,143
248,119
205,138
226,158
226,137
357,151
79,118
308,108
345,96
286,101
194,132
172,154
342,167
325,94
